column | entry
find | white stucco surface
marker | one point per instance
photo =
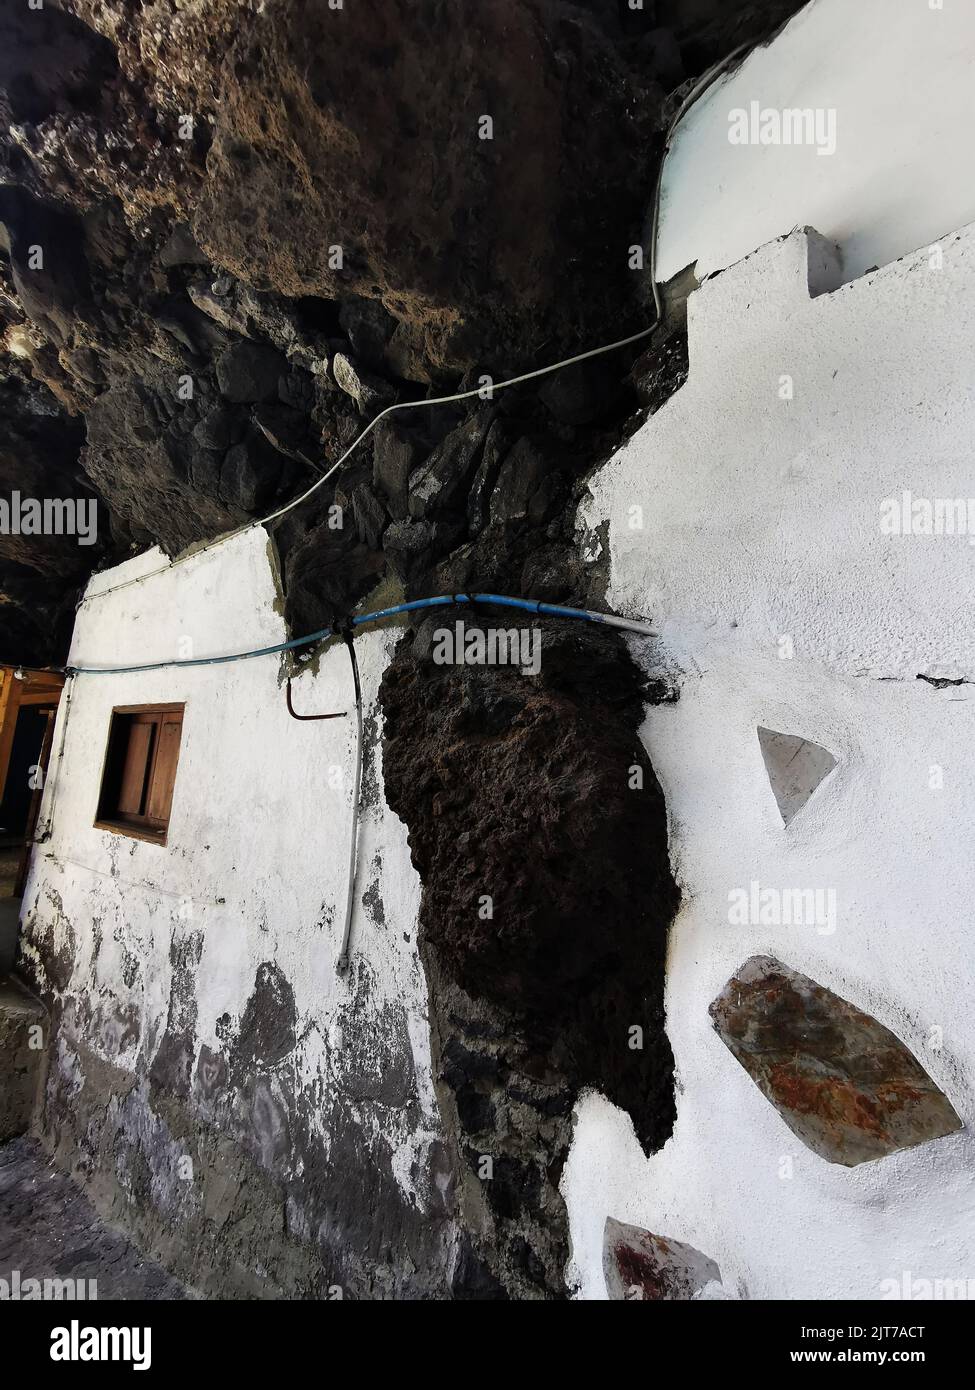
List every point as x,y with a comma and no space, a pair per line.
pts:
258,842
898,74
761,523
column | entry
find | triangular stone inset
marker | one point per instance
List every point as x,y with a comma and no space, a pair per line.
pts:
795,766
640,1265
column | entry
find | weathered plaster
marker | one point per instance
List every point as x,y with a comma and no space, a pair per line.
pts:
199,1013
761,523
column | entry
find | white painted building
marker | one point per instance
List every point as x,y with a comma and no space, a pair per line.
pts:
254,868
761,558
816,392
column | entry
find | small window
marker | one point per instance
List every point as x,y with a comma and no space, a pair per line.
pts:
140,771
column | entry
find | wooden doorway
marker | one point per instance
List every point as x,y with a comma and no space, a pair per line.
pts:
28,706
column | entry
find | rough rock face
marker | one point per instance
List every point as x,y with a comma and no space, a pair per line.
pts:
39,459
364,147
260,222
538,829
843,1083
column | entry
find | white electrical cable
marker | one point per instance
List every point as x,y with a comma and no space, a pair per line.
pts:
343,960
389,410
700,86
609,619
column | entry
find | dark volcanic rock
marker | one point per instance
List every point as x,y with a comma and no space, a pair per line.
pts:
472,245
326,573
249,372
41,575
370,517
139,450
287,430
513,787
436,484
519,494
578,394
394,457
369,328
407,545
47,264
335,133
507,760
218,429
51,62
661,370
496,445
843,1083
250,472
181,249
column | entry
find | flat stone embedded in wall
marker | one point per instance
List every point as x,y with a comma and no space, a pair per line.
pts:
796,767
638,1265
842,1082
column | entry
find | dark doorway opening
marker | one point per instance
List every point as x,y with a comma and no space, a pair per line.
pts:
28,705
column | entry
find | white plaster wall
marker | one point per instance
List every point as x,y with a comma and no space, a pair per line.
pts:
899,75
761,519
258,841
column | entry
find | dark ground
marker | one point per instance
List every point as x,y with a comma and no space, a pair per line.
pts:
49,1230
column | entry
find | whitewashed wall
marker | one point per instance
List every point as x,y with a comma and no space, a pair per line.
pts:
258,840
761,521
898,74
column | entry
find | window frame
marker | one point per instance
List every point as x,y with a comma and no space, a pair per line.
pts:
138,826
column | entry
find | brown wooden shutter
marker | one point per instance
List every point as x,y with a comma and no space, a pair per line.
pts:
135,769
164,771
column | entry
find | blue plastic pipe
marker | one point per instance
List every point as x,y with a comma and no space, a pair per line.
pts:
528,605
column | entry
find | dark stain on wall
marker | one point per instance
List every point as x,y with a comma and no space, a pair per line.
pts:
170,1070
268,1026
262,1167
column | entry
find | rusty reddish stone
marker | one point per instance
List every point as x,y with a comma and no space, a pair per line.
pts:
639,1265
843,1083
